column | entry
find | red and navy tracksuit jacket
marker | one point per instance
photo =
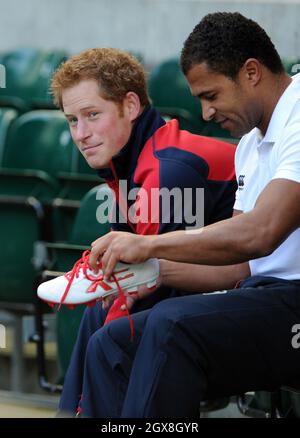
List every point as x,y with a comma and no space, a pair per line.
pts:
159,154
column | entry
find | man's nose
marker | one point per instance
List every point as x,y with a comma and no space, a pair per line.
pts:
208,111
82,131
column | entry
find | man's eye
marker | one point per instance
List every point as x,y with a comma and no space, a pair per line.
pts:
211,97
93,114
72,121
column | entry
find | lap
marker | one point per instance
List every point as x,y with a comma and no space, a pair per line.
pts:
241,332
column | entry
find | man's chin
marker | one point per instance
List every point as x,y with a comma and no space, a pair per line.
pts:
237,133
97,165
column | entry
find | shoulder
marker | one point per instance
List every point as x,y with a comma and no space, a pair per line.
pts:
171,135
246,146
193,150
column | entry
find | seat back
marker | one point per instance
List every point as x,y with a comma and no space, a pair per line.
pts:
92,219
77,183
38,148
170,94
40,140
28,74
19,232
291,65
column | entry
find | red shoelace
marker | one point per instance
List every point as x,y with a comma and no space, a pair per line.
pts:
83,263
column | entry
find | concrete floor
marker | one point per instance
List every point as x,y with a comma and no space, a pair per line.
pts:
15,411
36,406
16,405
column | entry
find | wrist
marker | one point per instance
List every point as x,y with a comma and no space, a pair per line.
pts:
151,246
162,272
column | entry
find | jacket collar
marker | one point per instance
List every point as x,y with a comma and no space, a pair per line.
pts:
125,161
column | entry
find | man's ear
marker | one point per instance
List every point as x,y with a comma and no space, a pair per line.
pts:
132,105
252,69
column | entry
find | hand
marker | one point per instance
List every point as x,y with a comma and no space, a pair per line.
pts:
119,246
142,292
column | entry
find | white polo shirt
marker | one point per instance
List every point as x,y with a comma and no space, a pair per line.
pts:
259,160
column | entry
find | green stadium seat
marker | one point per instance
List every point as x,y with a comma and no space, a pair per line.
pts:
40,160
77,183
170,94
282,403
74,185
31,156
291,65
28,74
20,258
38,147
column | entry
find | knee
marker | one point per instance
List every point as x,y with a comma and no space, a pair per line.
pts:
110,337
93,317
163,315
96,340
108,348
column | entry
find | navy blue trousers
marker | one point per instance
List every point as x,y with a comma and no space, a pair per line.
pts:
186,350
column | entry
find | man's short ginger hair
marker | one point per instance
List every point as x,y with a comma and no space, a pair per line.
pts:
117,73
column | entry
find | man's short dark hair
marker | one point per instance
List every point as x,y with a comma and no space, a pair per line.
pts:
224,41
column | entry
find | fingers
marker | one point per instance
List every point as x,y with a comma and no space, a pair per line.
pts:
144,291
107,301
130,300
96,253
115,247
109,261
98,248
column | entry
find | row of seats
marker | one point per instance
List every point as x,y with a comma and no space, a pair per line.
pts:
26,259
43,174
46,221
29,70
37,147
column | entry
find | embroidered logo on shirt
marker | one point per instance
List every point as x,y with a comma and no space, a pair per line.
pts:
241,182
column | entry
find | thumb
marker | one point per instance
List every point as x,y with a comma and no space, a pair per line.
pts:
130,300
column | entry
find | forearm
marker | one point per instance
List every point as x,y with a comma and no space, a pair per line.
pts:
202,278
228,242
244,237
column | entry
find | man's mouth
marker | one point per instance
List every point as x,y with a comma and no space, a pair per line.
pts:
222,121
87,148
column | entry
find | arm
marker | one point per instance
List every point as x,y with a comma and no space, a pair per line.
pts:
241,238
202,278
192,278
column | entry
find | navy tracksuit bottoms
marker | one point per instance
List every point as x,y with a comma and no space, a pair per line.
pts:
185,350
